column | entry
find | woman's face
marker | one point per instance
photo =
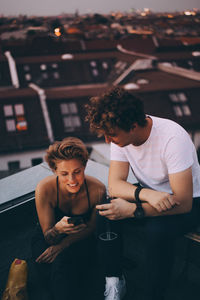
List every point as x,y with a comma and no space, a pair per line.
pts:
71,174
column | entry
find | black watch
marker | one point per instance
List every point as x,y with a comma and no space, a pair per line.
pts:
139,212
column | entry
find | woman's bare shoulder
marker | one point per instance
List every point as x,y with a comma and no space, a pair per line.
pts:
46,185
96,188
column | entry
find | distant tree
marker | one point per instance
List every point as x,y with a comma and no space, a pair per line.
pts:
100,19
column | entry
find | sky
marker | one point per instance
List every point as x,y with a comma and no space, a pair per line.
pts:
56,7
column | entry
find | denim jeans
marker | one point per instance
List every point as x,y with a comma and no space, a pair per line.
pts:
63,274
156,241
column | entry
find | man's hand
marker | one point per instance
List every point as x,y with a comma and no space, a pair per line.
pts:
117,209
161,201
49,254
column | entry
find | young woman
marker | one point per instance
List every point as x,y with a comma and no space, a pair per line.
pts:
64,240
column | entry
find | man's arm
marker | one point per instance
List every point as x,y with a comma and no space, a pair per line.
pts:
118,186
166,204
182,189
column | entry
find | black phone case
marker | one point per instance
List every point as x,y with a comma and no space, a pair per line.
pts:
75,220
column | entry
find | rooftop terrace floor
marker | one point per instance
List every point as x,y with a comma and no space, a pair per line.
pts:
15,243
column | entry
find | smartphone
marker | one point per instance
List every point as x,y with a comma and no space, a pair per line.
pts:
101,209
76,220
106,200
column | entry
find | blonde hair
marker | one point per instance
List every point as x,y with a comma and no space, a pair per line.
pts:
68,148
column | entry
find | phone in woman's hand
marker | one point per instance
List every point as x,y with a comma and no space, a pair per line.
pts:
76,220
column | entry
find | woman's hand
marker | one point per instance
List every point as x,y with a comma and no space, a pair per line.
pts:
49,255
64,227
161,201
117,209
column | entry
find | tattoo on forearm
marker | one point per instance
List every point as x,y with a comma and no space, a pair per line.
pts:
52,236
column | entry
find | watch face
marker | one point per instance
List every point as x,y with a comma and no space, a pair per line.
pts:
139,213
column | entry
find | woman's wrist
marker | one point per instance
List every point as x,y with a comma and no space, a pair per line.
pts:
52,236
57,228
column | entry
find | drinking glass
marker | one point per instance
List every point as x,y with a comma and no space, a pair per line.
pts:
108,234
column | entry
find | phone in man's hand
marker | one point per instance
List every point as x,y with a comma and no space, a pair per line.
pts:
106,200
76,220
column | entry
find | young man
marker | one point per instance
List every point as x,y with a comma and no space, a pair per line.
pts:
164,161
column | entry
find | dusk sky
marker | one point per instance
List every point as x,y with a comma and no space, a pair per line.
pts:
55,7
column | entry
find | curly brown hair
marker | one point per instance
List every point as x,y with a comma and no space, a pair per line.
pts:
115,108
68,148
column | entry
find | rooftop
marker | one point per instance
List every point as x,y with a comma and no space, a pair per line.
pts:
18,221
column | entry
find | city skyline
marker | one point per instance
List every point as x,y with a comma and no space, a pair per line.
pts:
50,7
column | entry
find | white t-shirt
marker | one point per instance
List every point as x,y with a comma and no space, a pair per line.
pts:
169,149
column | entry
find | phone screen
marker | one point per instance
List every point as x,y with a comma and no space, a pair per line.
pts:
76,220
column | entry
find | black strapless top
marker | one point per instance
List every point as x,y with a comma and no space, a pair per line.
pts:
59,214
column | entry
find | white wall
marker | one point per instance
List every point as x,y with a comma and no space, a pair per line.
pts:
24,158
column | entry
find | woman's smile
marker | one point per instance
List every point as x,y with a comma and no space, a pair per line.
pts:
71,174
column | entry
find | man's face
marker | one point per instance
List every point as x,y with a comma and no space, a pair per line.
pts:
119,137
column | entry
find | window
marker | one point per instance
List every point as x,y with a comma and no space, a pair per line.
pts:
141,81
71,119
19,109
197,139
10,125
93,63
186,110
95,72
71,122
94,68
105,65
26,68
13,165
54,66
36,161
45,75
120,66
8,110
28,77
76,121
56,75
43,67
178,111
190,63
64,108
73,108
180,104
15,118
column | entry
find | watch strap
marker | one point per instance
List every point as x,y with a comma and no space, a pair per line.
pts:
137,192
139,211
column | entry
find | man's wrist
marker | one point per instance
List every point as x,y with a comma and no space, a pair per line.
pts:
144,195
132,210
